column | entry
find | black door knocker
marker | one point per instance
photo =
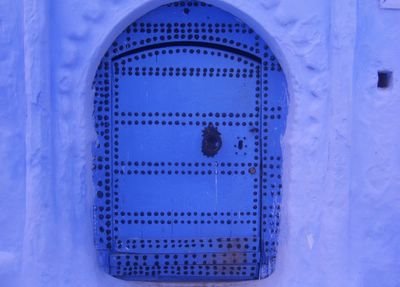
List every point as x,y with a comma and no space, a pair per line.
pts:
212,141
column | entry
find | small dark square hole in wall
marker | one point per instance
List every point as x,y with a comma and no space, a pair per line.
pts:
384,79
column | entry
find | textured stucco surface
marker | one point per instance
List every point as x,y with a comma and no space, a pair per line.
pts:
341,216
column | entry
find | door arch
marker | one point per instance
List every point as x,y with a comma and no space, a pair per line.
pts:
190,107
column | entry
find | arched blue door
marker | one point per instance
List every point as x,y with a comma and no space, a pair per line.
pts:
189,112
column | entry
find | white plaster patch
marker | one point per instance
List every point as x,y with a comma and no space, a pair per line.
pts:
310,241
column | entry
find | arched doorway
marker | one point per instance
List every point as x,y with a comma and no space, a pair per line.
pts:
190,107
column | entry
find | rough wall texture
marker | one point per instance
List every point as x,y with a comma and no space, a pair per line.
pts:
340,218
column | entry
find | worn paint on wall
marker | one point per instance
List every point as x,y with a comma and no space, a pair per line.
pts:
340,216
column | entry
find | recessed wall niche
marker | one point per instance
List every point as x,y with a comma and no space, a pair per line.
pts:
190,108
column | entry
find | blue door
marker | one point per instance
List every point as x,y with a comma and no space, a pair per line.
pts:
189,112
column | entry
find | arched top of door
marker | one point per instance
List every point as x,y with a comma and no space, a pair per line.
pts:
220,47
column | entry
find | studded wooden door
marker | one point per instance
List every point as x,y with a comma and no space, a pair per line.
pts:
189,112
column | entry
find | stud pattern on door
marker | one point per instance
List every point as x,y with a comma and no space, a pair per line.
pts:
189,108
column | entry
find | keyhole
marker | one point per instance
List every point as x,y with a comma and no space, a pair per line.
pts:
240,144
